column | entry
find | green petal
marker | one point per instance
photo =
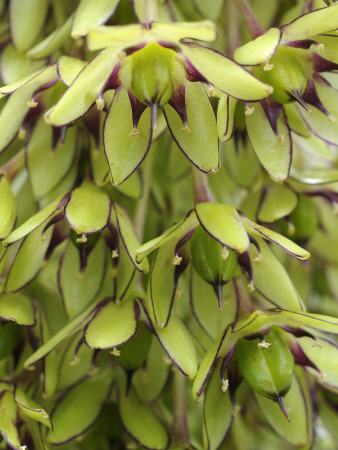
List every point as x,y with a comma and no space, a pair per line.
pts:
68,68
142,423
309,321
124,151
129,238
112,325
176,231
42,160
272,280
178,344
32,249
77,288
88,209
86,17
8,208
199,141
274,152
120,35
260,50
226,117
31,409
316,22
52,42
314,176
79,408
225,74
26,21
8,420
278,239
17,308
278,201
85,89
74,368
34,80
16,65
223,223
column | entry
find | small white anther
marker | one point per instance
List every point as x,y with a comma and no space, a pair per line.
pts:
100,104
251,286
225,385
22,134
211,91
75,361
281,139
316,344
82,239
332,118
321,378
115,352
177,260
268,67
178,294
236,410
114,254
186,129
166,360
42,237
258,258
263,344
224,253
32,104
134,132
321,47
248,111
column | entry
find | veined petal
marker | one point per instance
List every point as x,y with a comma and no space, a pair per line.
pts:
225,74
315,22
85,89
260,50
125,147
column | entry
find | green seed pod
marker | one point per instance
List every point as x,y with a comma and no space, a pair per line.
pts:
9,337
286,75
135,352
304,218
215,264
151,74
267,366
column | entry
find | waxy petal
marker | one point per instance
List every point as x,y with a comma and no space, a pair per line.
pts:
68,69
260,50
86,17
17,308
225,74
8,208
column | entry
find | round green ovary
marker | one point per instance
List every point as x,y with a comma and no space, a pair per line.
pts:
151,74
210,261
267,370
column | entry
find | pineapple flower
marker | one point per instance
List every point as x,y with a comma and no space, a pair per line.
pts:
219,236
303,102
149,67
269,349
96,226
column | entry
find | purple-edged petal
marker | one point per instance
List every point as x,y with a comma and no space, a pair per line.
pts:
260,50
224,73
125,146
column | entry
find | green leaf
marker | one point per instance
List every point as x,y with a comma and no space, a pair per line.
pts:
85,89
69,68
79,408
88,209
8,208
18,308
223,223
272,280
77,288
125,150
32,249
296,432
42,159
176,231
129,238
31,409
284,243
278,201
112,324
86,17
142,423
273,151
179,345
52,42
225,74
260,50
8,420
33,222
198,140
218,415
26,21
315,22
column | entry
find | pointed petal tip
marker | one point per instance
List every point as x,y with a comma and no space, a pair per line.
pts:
280,400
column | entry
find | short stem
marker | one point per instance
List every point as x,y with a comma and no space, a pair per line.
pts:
250,20
201,187
180,433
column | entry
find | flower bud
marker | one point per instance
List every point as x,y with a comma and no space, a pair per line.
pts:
151,74
267,367
286,75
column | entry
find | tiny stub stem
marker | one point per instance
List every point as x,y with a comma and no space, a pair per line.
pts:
202,190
